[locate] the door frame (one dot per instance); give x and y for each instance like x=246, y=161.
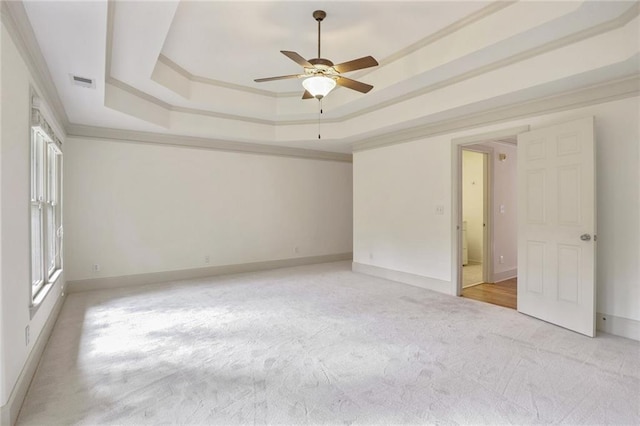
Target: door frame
x=456, y=196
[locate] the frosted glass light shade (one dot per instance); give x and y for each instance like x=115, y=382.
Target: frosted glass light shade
x=319, y=86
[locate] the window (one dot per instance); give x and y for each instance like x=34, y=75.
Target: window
x=46, y=212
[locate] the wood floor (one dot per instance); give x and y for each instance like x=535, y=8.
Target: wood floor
x=503, y=293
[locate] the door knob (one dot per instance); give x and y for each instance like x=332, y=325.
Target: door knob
x=585, y=237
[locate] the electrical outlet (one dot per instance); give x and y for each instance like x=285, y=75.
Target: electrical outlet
x=296, y=249
x=27, y=337
x=501, y=259
x=440, y=209
x=207, y=259
x=371, y=256
x=95, y=267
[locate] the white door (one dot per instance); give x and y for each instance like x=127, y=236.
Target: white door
x=556, y=225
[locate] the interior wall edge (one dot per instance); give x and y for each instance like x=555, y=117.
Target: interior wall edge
x=187, y=274
x=9, y=412
x=623, y=327
x=103, y=133
x=421, y=281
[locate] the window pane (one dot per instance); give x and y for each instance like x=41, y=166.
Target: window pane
x=52, y=171
x=34, y=167
x=38, y=173
x=51, y=239
x=36, y=248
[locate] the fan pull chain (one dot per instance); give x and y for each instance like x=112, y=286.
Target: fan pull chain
x=319, y=115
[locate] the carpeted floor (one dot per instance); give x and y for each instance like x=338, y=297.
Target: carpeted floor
x=321, y=345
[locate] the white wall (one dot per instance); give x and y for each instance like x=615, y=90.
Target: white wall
x=396, y=189
x=473, y=202
x=396, y=192
x=15, y=285
x=617, y=184
x=138, y=208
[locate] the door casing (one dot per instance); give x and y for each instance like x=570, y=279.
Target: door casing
x=456, y=199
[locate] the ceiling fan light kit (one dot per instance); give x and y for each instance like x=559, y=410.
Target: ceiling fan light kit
x=321, y=75
x=319, y=86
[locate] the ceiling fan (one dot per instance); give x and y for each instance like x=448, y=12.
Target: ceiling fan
x=321, y=75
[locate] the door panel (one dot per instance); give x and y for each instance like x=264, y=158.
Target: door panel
x=556, y=205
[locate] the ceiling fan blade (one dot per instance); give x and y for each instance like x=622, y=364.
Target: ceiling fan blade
x=282, y=77
x=307, y=95
x=297, y=58
x=353, y=84
x=356, y=64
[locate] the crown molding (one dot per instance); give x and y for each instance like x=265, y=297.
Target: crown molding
x=449, y=29
x=601, y=28
x=586, y=96
x=604, y=27
x=218, y=83
x=15, y=19
x=103, y=133
x=591, y=95
x=478, y=15
x=172, y=108
x=136, y=92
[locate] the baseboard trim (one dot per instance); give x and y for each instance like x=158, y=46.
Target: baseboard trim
x=623, y=327
x=505, y=275
x=404, y=277
x=9, y=412
x=187, y=274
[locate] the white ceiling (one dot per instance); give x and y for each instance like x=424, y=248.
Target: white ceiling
x=187, y=67
x=243, y=40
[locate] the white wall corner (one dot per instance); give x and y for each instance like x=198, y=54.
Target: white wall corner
x=619, y=326
x=427, y=283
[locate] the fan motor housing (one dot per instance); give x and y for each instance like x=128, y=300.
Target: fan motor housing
x=321, y=61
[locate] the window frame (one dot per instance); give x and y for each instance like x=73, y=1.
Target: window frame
x=45, y=210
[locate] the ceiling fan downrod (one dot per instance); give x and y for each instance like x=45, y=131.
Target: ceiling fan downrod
x=319, y=15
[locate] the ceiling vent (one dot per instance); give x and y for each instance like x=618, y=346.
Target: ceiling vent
x=83, y=81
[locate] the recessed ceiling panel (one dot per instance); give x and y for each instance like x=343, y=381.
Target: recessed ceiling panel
x=236, y=42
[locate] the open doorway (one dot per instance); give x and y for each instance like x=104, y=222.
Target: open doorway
x=552, y=221
x=487, y=191
x=475, y=192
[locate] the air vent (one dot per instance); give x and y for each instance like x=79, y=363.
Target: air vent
x=83, y=81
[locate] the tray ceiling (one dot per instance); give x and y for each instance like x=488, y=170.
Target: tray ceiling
x=187, y=67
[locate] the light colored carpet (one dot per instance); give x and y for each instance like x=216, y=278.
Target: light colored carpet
x=321, y=345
